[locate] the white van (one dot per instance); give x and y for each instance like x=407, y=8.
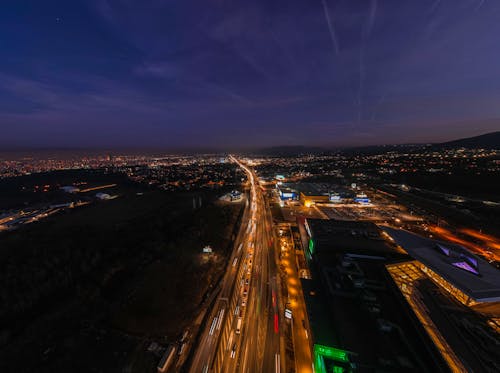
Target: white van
x=238, y=325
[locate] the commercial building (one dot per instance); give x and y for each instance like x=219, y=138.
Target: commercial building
x=311, y=193
x=235, y=195
x=456, y=297
x=362, y=198
x=287, y=193
x=357, y=317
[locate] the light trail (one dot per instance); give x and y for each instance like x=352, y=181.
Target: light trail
x=444, y=233
x=491, y=241
x=221, y=317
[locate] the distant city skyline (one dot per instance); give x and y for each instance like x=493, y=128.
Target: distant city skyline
x=228, y=75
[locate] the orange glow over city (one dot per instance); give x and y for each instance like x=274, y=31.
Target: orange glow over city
x=489, y=240
x=490, y=255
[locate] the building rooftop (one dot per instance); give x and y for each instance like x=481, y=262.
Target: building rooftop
x=469, y=273
x=357, y=237
x=347, y=318
x=311, y=189
x=320, y=321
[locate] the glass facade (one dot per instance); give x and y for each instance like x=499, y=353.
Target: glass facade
x=404, y=275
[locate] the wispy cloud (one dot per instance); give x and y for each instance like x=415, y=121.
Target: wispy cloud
x=372, y=16
x=159, y=69
x=331, y=27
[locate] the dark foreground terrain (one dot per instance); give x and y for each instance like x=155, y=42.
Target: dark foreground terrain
x=88, y=290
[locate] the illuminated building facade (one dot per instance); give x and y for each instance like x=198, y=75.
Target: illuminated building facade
x=450, y=289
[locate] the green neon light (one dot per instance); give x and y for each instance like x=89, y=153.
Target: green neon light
x=320, y=352
x=311, y=245
x=319, y=364
x=331, y=353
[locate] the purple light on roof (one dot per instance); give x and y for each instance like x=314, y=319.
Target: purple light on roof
x=471, y=260
x=466, y=267
x=444, y=250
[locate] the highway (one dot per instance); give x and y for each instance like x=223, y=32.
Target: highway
x=209, y=337
x=242, y=329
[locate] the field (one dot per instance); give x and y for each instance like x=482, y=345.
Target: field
x=98, y=283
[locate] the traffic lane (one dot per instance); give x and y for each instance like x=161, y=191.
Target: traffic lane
x=272, y=346
x=206, y=350
x=253, y=327
x=202, y=354
x=252, y=339
x=229, y=363
x=262, y=325
x=215, y=325
x=273, y=328
x=248, y=332
x=248, y=319
x=268, y=343
x=247, y=327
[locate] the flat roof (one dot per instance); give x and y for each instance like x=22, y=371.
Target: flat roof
x=327, y=226
x=317, y=312
x=311, y=189
x=286, y=190
x=343, y=320
x=362, y=237
x=457, y=267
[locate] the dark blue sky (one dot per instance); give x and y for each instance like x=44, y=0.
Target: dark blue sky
x=176, y=73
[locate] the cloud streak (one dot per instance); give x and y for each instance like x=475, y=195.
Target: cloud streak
x=233, y=65
x=331, y=27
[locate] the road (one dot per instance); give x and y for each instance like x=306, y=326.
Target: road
x=296, y=304
x=208, y=343
x=242, y=331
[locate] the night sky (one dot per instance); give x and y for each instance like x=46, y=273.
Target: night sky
x=229, y=73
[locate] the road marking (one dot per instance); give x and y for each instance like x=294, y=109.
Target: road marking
x=229, y=343
x=214, y=322
x=221, y=315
